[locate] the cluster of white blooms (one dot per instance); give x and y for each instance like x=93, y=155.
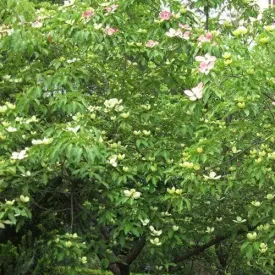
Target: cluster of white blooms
x=45, y=141
x=113, y=103
x=19, y=155
x=132, y=193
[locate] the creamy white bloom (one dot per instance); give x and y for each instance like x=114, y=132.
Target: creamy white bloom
x=155, y=232
x=113, y=160
x=212, y=176
x=111, y=103
x=11, y=129
x=45, y=141
x=239, y=220
x=73, y=129
x=144, y=222
x=37, y=24
x=155, y=241
x=68, y=3
x=19, y=155
x=132, y=193
x=24, y=198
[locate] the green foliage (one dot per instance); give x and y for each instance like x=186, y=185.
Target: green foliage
x=114, y=129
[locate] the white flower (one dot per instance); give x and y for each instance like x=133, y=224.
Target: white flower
x=19, y=155
x=27, y=174
x=45, y=141
x=83, y=260
x=155, y=232
x=3, y=109
x=136, y=195
x=11, y=129
x=68, y=244
x=155, y=241
x=125, y=115
x=256, y=203
x=146, y=133
x=172, y=190
x=252, y=236
x=263, y=247
x=209, y=229
x=212, y=176
x=239, y=220
x=32, y=119
x=10, y=202
x=24, y=199
x=144, y=222
x=175, y=228
x=74, y=130
x=111, y=103
x=37, y=24
x=68, y=3
x=132, y=193
x=113, y=160
x=10, y=105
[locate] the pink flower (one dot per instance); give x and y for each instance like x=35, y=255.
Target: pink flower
x=165, y=15
x=205, y=38
x=207, y=63
x=151, y=43
x=186, y=35
x=110, y=31
x=111, y=9
x=186, y=27
x=195, y=93
x=88, y=13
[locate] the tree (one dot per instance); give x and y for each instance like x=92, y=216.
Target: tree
x=131, y=125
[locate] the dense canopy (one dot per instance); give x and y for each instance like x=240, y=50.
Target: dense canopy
x=136, y=136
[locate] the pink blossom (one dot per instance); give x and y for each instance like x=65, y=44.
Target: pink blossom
x=88, y=13
x=111, y=9
x=165, y=15
x=207, y=63
x=186, y=35
x=185, y=26
x=195, y=93
x=151, y=43
x=205, y=38
x=110, y=31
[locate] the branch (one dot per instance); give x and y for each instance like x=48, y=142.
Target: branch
x=214, y=241
x=133, y=254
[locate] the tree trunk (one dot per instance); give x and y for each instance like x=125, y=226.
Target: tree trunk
x=120, y=269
